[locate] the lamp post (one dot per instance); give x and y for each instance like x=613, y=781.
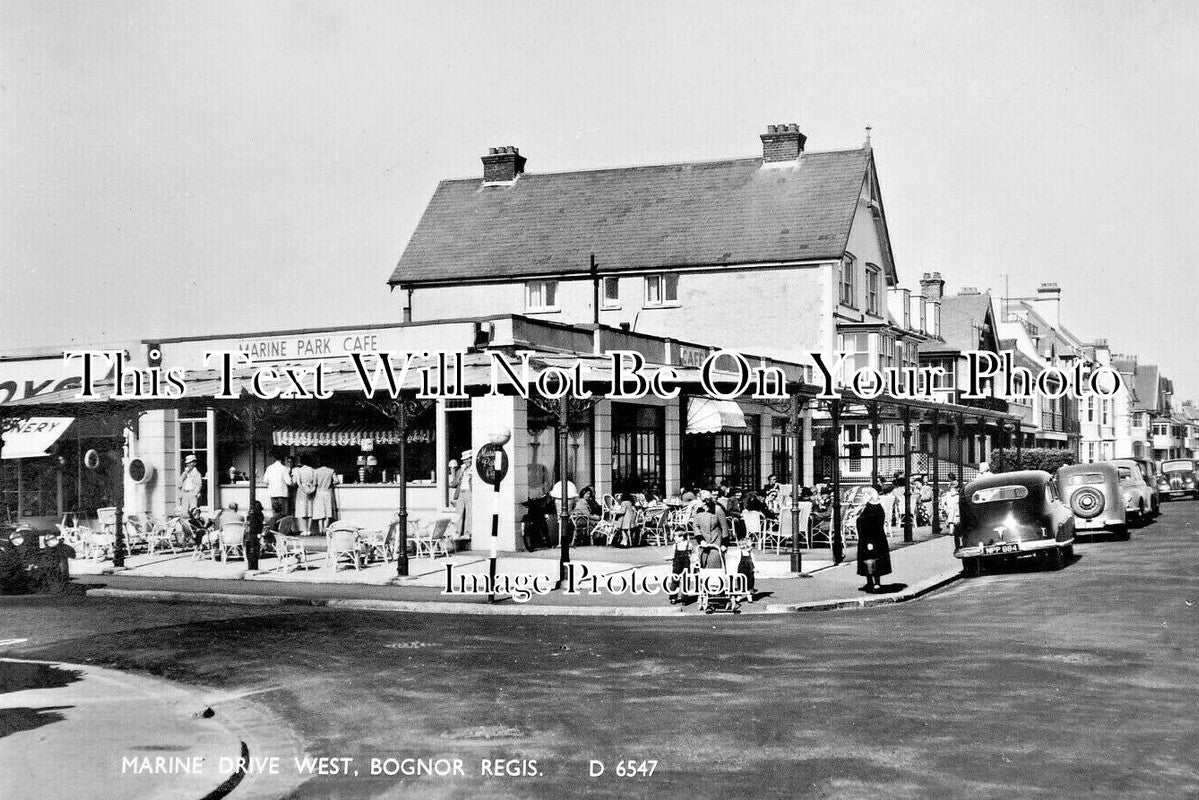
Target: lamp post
x=796, y=439
x=494, y=474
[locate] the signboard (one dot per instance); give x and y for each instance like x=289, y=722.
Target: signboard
x=491, y=462
x=692, y=356
x=24, y=378
x=307, y=346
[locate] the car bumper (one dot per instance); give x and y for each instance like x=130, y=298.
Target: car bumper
x=1022, y=548
x=1170, y=494
x=1098, y=523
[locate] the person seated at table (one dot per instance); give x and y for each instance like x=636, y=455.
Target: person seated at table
x=755, y=503
x=14, y=562
x=586, y=508
x=734, y=504
x=196, y=527
x=651, y=498
x=230, y=516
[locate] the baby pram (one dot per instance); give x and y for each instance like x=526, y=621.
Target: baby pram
x=715, y=582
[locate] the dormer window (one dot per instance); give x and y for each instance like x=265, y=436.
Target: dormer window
x=661, y=290
x=541, y=296
x=873, y=280
x=848, y=282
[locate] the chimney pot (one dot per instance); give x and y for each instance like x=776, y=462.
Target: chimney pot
x=932, y=286
x=502, y=164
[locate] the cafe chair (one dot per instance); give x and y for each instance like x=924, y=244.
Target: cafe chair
x=655, y=528
x=106, y=519
x=230, y=540
x=432, y=540
x=344, y=546
x=772, y=533
x=164, y=535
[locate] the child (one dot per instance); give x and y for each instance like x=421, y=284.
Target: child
x=745, y=564
x=680, y=565
x=949, y=506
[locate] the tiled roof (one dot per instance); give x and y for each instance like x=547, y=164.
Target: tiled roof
x=960, y=314
x=710, y=213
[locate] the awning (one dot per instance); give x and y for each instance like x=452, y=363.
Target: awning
x=343, y=437
x=708, y=415
x=33, y=437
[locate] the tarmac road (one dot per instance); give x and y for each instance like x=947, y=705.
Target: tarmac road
x=1082, y=682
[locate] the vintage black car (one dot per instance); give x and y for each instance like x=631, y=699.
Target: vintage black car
x=1178, y=478
x=1013, y=514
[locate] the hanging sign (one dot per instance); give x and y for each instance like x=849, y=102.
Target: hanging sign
x=491, y=462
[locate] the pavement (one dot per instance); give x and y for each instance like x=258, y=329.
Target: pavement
x=916, y=569
x=104, y=733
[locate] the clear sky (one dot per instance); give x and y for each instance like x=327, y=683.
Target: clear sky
x=173, y=168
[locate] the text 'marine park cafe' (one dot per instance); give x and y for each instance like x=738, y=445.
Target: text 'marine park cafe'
x=776, y=255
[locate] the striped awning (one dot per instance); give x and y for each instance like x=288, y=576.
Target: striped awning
x=337, y=437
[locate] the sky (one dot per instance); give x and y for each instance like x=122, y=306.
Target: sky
x=192, y=168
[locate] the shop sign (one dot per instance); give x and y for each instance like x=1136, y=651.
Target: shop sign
x=692, y=356
x=491, y=462
x=308, y=346
x=34, y=377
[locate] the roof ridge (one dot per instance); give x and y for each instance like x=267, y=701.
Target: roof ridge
x=627, y=167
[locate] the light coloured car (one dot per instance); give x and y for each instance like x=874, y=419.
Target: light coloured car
x=1140, y=498
x=1177, y=478
x=1094, y=495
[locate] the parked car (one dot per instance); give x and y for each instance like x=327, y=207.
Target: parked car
x=1177, y=478
x=1140, y=498
x=1093, y=493
x=1149, y=473
x=1013, y=514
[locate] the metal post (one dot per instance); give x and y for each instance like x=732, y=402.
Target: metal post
x=794, y=433
x=1019, y=441
x=838, y=544
x=118, y=544
x=958, y=426
x=935, y=511
x=907, y=471
x=252, y=415
x=874, y=444
x=401, y=418
x=563, y=491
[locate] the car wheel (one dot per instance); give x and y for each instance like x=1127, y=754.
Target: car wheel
x=972, y=567
x=1055, y=558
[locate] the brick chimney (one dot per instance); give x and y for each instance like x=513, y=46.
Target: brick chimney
x=782, y=144
x=969, y=290
x=502, y=164
x=932, y=286
x=1049, y=303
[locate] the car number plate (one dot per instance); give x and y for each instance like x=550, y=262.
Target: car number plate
x=1006, y=547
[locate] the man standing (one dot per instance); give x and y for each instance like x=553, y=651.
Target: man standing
x=278, y=479
x=191, y=483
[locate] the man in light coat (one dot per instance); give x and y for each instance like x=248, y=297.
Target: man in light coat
x=278, y=479
x=190, y=484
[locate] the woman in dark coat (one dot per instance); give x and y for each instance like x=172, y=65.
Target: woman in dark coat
x=874, y=556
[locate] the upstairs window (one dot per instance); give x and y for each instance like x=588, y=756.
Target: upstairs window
x=662, y=290
x=873, y=279
x=541, y=296
x=610, y=293
x=848, y=283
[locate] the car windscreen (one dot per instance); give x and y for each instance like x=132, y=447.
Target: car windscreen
x=1085, y=479
x=1178, y=466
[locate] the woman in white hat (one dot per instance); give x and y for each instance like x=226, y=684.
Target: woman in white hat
x=191, y=483
x=874, y=555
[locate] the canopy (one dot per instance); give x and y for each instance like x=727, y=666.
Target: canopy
x=708, y=415
x=335, y=437
x=34, y=436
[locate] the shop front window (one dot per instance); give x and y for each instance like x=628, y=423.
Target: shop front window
x=638, y=448
x=543, y=450
x=730, y=456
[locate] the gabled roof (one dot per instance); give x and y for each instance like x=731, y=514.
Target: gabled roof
x=961, y=317
x=636, y=218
